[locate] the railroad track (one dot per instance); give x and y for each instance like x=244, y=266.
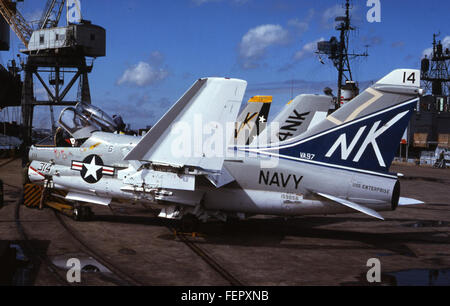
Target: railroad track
x=208, y=259
x=36, y=257
x=125, y=277
x=203, y=254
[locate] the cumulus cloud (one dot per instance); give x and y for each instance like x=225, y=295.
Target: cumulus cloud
x=445, y=44
x=307, y=50
x=330, y=14
x=256, y=41
x=145, y=73
x=301, y=26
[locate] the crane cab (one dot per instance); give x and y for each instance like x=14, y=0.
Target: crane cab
x=84, y=38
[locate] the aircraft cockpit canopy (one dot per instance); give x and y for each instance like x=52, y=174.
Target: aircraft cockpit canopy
x=83, y=119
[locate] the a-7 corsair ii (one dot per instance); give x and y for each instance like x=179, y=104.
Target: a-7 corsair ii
x=339, y=165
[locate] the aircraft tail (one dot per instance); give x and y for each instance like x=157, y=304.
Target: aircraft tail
x=252, y=120
x=365, y=133
x=300, y=114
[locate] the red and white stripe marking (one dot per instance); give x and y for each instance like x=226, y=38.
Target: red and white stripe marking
x=108, y=171
x=77, y=166
x=35, y=175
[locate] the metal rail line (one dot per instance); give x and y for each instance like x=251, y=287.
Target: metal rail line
x=208, y=259
x=121, y=274
x=32, y=253
x=35, y=256
x=203, y=254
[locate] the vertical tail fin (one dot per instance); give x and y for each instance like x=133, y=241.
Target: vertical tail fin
x=296, y=117
x=252, y=120
x=365, y=133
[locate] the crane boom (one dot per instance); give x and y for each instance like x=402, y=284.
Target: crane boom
x=52, y=14
x=16, y=21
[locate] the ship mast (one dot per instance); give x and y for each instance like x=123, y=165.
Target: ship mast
x=337, y=52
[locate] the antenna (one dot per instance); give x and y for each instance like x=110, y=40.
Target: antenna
x=435, y=69
x=337, y=52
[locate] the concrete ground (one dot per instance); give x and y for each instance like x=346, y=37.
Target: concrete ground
x=413, y=244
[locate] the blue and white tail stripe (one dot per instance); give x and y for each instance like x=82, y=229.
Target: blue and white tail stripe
x=367, y=144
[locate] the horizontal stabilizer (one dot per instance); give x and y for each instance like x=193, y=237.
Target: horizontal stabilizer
x=409, y=201
x=360, y=208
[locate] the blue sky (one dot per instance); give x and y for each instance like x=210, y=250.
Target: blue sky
x=156, y=49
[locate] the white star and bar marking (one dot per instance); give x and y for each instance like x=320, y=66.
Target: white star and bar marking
x=92, y=169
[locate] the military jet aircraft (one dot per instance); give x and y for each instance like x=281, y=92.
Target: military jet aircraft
x=186, y=166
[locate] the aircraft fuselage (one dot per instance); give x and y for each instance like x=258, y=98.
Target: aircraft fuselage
x=96, y=171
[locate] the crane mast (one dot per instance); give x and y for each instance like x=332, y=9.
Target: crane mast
x=52, y=14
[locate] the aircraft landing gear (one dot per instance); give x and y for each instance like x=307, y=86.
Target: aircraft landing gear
x=189, y=223
x=82, y=213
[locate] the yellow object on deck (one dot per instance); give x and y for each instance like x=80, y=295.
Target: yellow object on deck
x=53, y=198
x=32, y=195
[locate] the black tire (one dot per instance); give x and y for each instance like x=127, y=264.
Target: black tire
x=189, y=223
x=82, y=213
x=77, y=213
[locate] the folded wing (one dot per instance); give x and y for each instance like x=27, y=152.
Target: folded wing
x=192, y=132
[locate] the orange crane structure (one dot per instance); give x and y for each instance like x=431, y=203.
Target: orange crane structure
x=16, y=21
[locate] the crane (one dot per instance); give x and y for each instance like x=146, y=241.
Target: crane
x=50, y=18
x=16, y=21
x=52, y=14
x=54, y=51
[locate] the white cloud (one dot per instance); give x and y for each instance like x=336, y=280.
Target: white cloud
x=307, y=50
x=330, y=14
x=255, y=43
x=301, y=26
x=445, y=45
x=142, y=74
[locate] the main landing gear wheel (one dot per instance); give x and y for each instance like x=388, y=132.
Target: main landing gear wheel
x=82, y=213
x=189, y=223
